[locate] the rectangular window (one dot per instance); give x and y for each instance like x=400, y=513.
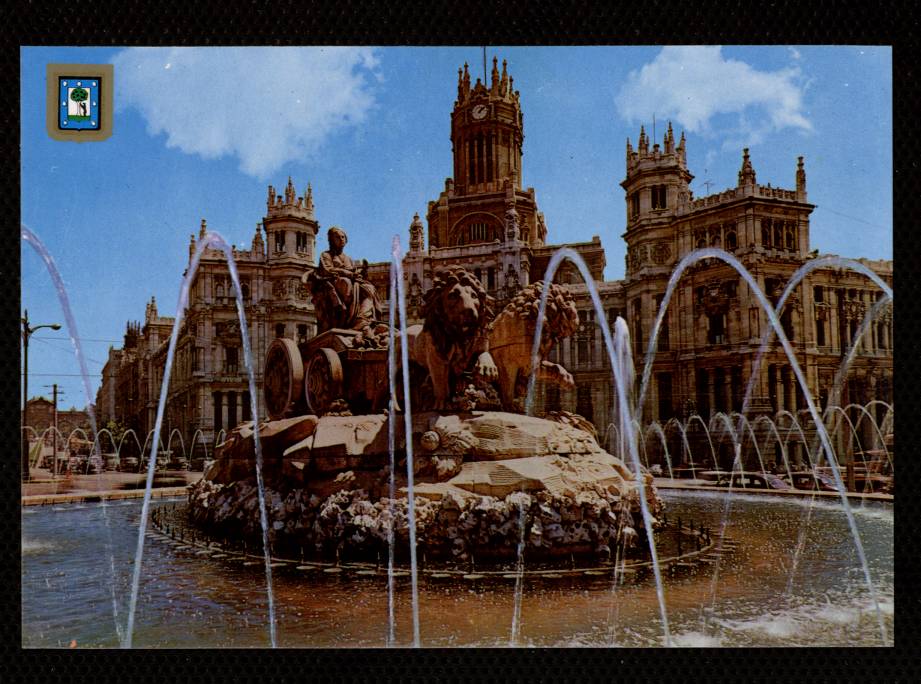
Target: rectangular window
x=471, y=158
x=664, y=381
x=634, y=205
x=489, y=162
x=786, y=320
x=279, y=330
x=246, y=407
x=719, y=390
x=716, y=333
x=302, y=332
x=280, y=241
x=230, y=360
x=659, y=195
x=735, y=379
x=491, y=278
x=818, y=293
x=584, y=401
x=231, y=410
x=480, y=170
x=583, y=353
x=703, y=393
x=218, y=412
x=820, y=333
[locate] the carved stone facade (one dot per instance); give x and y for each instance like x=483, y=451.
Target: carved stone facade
x=208, y=389
x=485, y=221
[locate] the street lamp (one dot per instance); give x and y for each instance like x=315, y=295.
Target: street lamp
x=27, y=331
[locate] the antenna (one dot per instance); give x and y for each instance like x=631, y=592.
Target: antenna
x=484, y=65
x=653, y=128
x=708, y=184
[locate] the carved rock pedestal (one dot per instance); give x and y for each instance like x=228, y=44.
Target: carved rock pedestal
x=328, y=483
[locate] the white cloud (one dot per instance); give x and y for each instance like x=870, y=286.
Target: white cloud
x=692, y=85
x=266, y=106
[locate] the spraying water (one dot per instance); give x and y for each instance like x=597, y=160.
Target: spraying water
x=524, y=502
x=774, y=320
x=391, y=445
x=621, y=366
x=214, y=240
x=397, y=266
x=74, y=335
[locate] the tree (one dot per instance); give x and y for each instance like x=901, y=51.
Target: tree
x=117, y=431
x=79, y=95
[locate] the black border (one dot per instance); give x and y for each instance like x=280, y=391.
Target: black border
x=288, y=22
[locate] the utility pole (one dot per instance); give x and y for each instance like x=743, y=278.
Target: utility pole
x=56, y=393
x=54, y=436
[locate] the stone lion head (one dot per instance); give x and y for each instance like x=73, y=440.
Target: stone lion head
x=561, y=318
x=456, y=308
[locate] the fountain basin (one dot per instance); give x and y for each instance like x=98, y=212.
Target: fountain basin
x=328, y=485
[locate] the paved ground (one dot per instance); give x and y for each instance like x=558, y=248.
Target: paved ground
x=666, y=483
x=110, y=485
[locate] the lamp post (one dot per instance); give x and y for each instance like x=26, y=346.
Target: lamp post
x=27, y=331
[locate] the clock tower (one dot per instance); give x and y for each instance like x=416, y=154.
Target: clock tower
x=484, y=202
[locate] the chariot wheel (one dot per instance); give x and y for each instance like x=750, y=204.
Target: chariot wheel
x=323, y=380
x=283, y=378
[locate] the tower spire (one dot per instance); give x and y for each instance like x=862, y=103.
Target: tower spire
x=203, y=229
x=747, y=172
x=800, y=180
x=308, y=200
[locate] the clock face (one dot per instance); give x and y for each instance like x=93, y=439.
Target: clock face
x=479, y=111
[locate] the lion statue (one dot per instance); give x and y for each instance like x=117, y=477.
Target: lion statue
x=453, y=342
x=511, y=340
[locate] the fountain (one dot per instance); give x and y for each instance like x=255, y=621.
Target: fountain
x=417, y=444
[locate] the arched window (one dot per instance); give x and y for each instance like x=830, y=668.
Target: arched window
x=701, y=242
x=731, y=243
x=766, y=233
x=778, y=236
x=715, y=240
x=791, y=242
x=480, y=170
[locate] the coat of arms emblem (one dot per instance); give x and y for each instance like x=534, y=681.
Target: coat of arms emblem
x=79, y=103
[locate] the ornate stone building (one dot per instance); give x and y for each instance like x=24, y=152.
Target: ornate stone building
x=208, y=389
x=487, y=222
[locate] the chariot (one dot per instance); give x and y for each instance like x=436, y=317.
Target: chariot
x=328, y=373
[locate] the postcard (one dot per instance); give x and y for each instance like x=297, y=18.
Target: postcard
x=332, y=347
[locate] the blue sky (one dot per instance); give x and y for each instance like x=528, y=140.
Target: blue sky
x=200, y=133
